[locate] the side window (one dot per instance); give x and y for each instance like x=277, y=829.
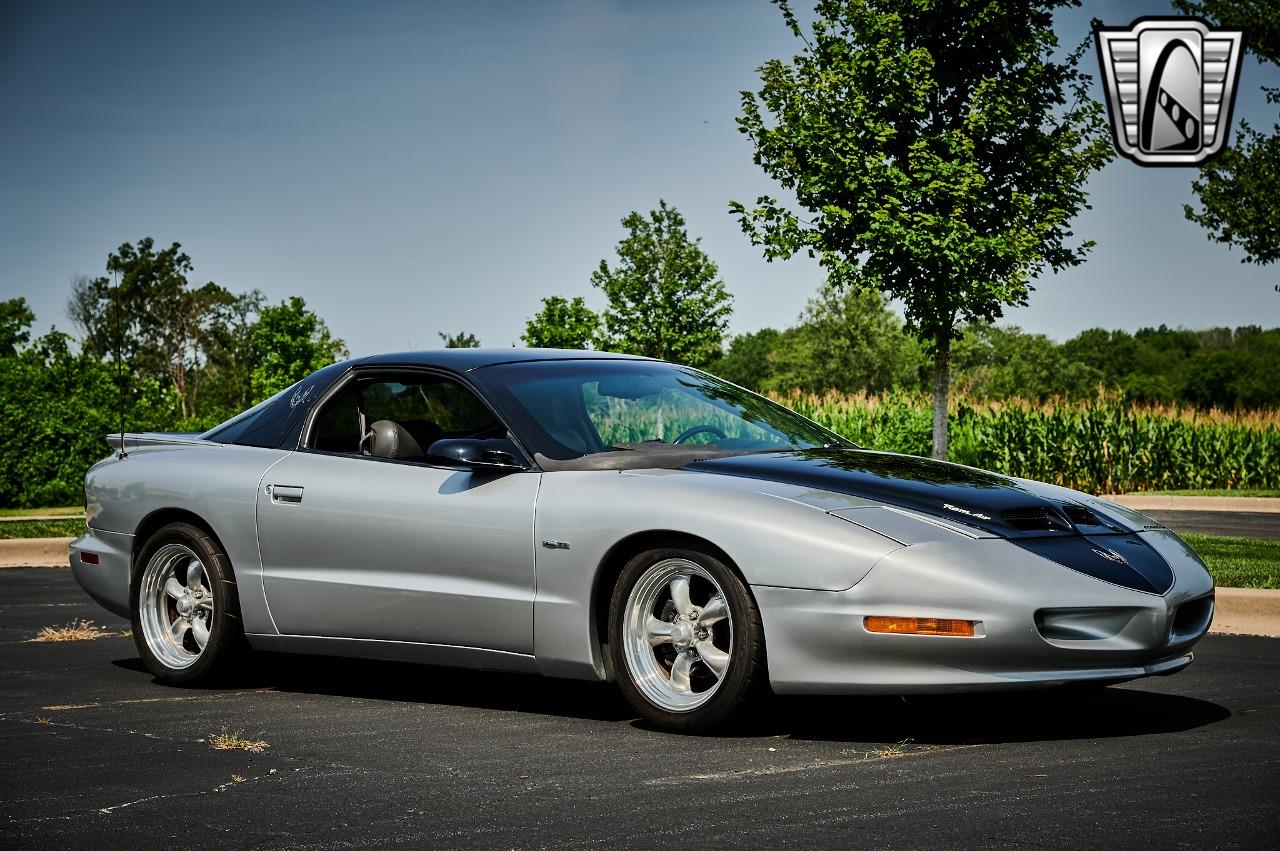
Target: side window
x=423, y=408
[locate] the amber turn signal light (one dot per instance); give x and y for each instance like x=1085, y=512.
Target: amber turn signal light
x=919, y=626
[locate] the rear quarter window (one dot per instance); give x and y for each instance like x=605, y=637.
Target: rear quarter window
x=279, y=419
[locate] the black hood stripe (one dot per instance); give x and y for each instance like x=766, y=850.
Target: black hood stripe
x=991, y=502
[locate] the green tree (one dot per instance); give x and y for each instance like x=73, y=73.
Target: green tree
x=461, y=340
x=562, y=324
x=62, y=404
x=665, y=297
x=226, y=386
x=747, y=361
x=847, y=340
x=938, y=151
x=15, y=325
x=153, y=319
x=1003, y=361
x=290, y=343
x=1239, y=190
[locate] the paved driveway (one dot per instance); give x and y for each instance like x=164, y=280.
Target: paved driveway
x=94, y=755
x=1241, y=524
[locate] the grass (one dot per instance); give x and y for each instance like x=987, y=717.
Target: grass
x=223, y=740
x=1238, y=562
x=42, y=529
x=73, y=510
x=1265, y=492
x=78, y=630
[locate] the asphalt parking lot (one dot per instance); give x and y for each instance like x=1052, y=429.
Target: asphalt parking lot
x=94, y=754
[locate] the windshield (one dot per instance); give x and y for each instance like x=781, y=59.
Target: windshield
x=573, y=408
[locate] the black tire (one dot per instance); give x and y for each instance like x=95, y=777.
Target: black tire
x=746, y=678
x=226, y=642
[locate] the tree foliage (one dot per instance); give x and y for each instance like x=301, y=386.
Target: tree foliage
x=461, y=340
x=291, y=342
x=1002, y=362
x=60, y=405
x=665, y=297
x=747, y=360
x=938, y=152
x=226, y=385
x=1239, y=190
x=847, y=341
x=148, y=314
x=562, y=324
x=15, y=325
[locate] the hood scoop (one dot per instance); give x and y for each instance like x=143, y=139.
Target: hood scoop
x=1040, y=518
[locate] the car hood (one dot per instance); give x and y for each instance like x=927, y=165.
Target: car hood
x=1063, y=530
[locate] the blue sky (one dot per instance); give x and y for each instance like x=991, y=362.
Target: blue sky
x=411, y=168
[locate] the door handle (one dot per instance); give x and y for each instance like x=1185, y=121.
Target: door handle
x=287, y=494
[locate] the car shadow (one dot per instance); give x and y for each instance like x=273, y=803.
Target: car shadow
x=1000, y=717
x=416, y=683
x=1054, y=714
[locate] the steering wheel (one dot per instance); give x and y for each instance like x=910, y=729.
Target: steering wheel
x=710, y=429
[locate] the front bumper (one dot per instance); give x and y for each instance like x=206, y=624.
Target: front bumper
x=107, y=582
x=1040, y=624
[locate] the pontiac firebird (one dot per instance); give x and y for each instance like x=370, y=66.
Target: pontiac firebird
x=579, y=514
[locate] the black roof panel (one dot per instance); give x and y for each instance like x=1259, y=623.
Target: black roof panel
x=461, y=360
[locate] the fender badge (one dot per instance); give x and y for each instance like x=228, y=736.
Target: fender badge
x=556, y=545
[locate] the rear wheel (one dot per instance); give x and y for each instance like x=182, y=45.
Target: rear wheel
x=686, y=641
x=186, y=614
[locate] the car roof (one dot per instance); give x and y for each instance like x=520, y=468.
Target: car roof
x=461, y=360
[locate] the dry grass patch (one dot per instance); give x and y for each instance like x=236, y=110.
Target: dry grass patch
x=78, y=630
x=888, y=751
x=224, y=740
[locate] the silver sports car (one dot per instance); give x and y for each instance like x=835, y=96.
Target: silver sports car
x=579, y=514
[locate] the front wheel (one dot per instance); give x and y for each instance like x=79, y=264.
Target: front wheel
x=686, y=641
x=186, y=614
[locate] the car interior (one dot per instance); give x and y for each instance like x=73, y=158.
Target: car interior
x=399, y=417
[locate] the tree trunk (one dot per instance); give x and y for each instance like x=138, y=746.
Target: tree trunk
x=941, y=385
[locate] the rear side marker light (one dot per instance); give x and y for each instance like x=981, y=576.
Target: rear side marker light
x=919, y=626
x=89, y=558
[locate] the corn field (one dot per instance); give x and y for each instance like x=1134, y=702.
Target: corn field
x=1101, y=446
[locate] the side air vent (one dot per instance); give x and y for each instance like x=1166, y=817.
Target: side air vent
x=1191, y=620
x=1036, y=519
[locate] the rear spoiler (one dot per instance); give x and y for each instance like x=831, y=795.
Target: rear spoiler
x=145, y=439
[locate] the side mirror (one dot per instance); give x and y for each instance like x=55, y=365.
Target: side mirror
x=497, y=454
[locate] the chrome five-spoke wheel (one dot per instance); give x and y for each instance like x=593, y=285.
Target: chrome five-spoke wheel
x=677, y=635
x=176, y=605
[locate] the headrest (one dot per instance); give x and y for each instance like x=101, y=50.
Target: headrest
x=392, y=440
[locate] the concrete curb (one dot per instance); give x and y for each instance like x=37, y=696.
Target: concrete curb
x=1247, y=611
x=1237, y=611
x=27, y=518
x=34, y=552
x=1162, y=502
